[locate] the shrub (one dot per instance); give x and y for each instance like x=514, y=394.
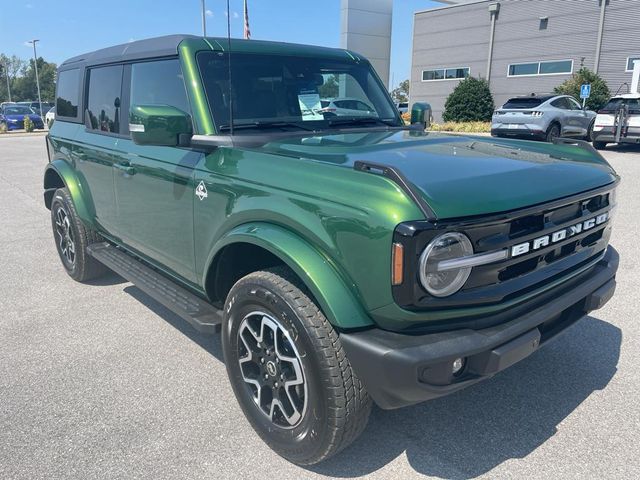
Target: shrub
x=467, y=127
x=470, y=101
x=599, y=90
x=28, y=124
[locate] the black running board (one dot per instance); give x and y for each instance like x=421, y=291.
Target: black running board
x=198, y=312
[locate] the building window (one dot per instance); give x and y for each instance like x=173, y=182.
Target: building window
x=451, y=73
x=630, y=61
x=553, y=67
x=544, y=23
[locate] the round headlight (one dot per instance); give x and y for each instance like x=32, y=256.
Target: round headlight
x=448, y=246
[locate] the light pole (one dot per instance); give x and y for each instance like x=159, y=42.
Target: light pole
x=6, y=71
x=204, y=19
x=35, y=64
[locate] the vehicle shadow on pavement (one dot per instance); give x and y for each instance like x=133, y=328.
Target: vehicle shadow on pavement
x=110, y=278
x=507, y=417
x=210, y=343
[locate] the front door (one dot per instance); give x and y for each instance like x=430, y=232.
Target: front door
x=154, y=185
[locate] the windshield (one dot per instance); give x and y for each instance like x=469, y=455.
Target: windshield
x=305, y=93
x=615, y=103
x=17, y=110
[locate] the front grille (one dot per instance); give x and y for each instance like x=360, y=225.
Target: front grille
x=493, y=283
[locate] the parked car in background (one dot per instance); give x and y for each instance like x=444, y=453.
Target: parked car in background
x=347, y=107
x=50, y=117
x=35, y=106
x=618, y=121
x=12, y=116
x=542, y=117
x=403, y=107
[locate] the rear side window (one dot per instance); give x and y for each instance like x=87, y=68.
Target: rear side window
x=103, y=102
x=68, y=93
x=159, y=83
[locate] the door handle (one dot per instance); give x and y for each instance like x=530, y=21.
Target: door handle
x=125, y=167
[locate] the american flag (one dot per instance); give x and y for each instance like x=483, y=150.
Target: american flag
x=247, y=30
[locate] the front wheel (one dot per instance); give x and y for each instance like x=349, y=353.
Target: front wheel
x=599, y=145
x=288, y=369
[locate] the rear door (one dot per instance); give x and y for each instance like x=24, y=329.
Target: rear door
x=95, y=150
x=154, y=186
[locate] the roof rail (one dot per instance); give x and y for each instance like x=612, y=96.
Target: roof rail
x=397, y=177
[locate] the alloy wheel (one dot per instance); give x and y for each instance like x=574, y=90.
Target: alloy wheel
x=66, y=242
x=272, y=369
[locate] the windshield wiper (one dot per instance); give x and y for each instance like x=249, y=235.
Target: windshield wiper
x=265, y=125
x=360, y=121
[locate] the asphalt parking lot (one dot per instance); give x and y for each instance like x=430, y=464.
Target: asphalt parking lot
x=100, y=381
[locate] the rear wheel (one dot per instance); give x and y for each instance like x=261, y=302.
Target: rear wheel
x=599, y=145
x=553, y=132
x=72, y=238
x=288, y=369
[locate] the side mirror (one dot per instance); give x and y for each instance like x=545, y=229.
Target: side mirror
x=421, y=114
x=159, y=125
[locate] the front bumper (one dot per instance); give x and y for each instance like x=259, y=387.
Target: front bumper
x=399, y=370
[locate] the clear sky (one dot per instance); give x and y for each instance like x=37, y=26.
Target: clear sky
x=70, y=27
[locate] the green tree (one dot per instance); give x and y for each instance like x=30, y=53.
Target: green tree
x=401, y=92
x=11, y=67
x=599, y=90
x=25, y=85
x=330, y=88
x=470, y=101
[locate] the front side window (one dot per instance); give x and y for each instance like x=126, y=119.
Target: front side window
x=103, y=103
x=68, y=93
x=159, y=83
x=303, y=92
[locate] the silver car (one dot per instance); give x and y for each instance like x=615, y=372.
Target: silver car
x=542, y=117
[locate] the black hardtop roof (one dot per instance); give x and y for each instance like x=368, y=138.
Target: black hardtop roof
x=168, y=45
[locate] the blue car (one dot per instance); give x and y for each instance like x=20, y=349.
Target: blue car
x=12, y=116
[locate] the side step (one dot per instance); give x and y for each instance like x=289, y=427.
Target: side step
x=198, y=312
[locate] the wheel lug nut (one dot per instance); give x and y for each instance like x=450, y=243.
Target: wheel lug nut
x=276, y=385
x=262, y=360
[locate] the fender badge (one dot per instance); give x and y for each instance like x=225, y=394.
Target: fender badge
x=201, y=191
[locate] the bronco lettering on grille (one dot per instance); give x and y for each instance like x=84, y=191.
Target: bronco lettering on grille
x=558, y=236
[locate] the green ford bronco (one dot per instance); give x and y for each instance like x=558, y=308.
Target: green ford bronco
x=271, y=191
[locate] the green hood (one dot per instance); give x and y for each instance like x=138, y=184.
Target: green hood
x=462, y=176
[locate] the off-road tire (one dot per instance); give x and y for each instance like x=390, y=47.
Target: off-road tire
x=82, y=267
x=599, y=145
x=338, y=406
x=554, y=131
